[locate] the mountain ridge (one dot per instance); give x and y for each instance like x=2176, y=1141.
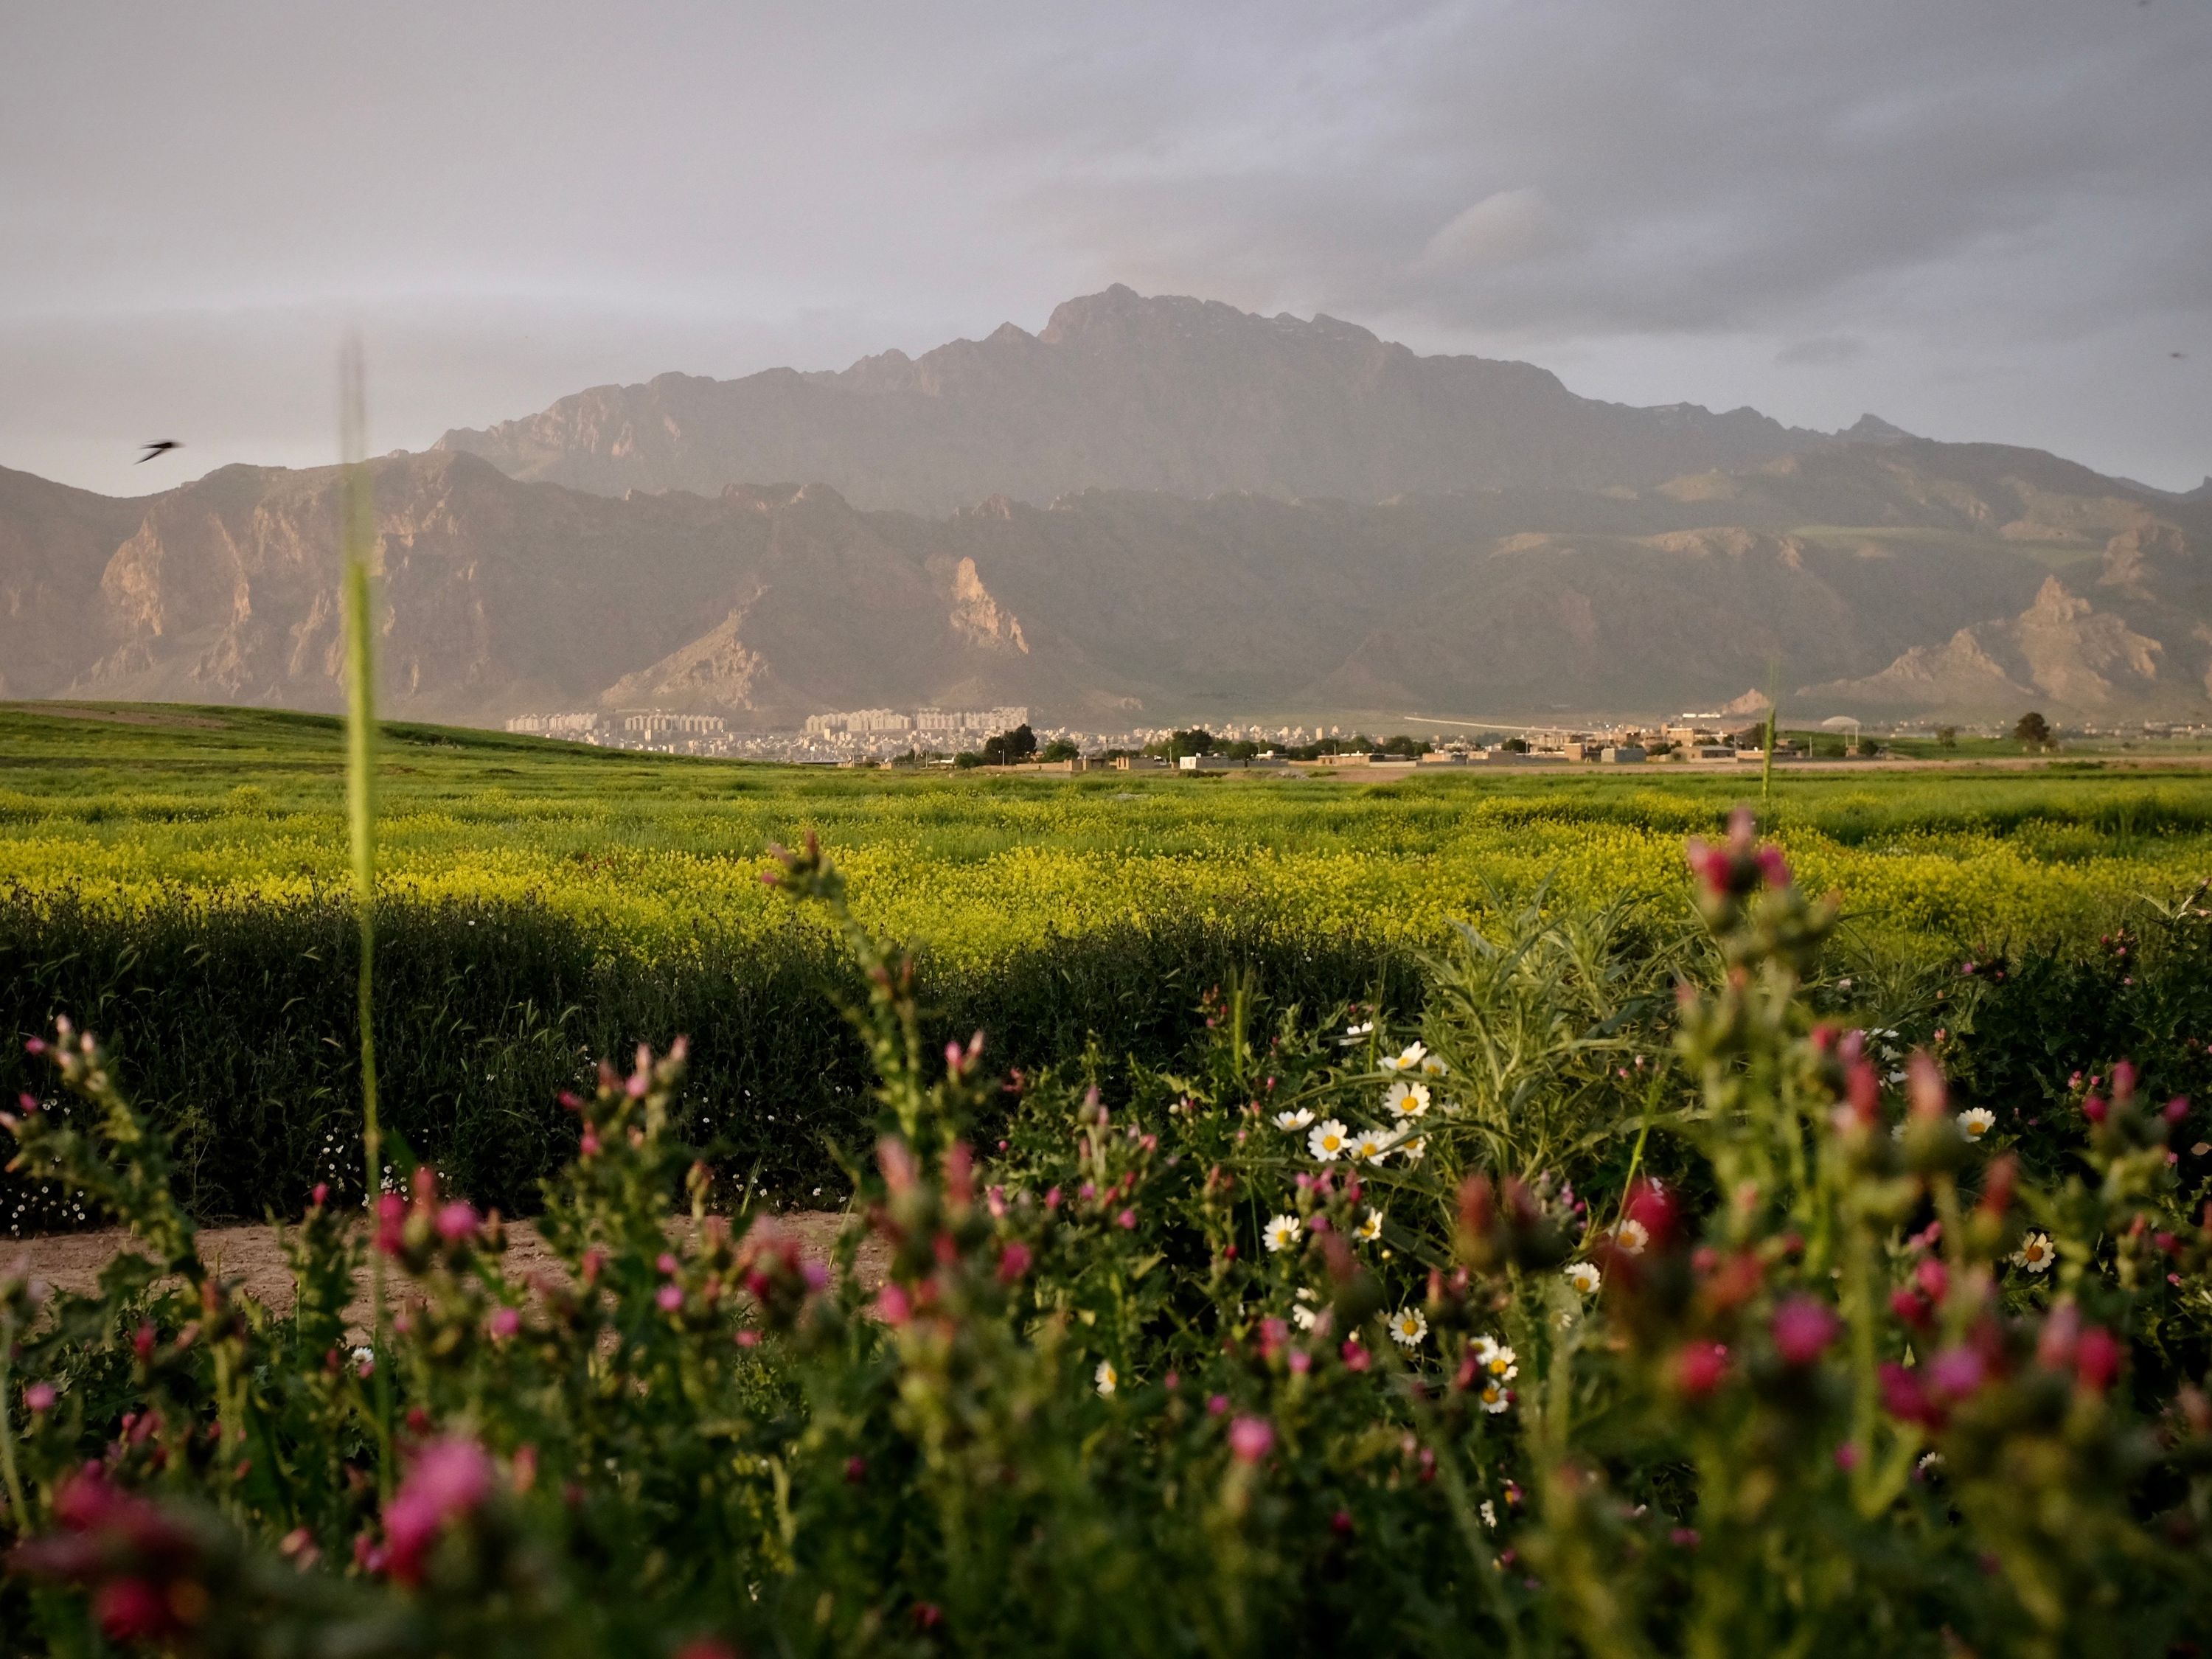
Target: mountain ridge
x=1854, y=567
x=1169, y=394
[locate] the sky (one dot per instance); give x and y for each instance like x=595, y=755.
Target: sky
x=1981, y=219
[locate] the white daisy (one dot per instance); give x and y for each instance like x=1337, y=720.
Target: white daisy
x=1632, y=1236
x=1370, y=1147
x=1411, y=1151
x=1293, y=1121
x=1977, y=1123
x=1433, y=1065
x=1280, y=1233
x=1353, y=1034
x=1328, y=1140
x=1489, y=1513
x=1304, y=1317
x=1370, y=1227
x=1106, y=1377
x=1584, y=1276
x=1408, y=1326
x=1406, y=1060
x=1407, y=1101
x=1496, y=1359
x=2035, y=1253
x=1494, y=1398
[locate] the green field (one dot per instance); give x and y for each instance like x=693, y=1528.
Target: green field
x=224, y=807
x=176, y=876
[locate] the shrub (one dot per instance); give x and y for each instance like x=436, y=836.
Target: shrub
x=1297, y=1346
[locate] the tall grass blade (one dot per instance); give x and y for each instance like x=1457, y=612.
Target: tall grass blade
x=356, y=540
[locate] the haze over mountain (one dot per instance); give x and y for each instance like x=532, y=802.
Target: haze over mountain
x=1874, y=571
x=1118, y=391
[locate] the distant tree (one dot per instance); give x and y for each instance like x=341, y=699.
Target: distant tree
x=1515, y=745
x=1115, y=755
x=1411, y=748
x=966, y=758
x=1751, y=737
x=1059, y=749
x=1242, y=748
x=1947, y=737
x=1010, y=748
x=2031, y=730
x=1196, y=741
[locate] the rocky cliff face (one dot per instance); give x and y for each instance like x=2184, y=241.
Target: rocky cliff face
x=1187, y=397
x=1889, y=576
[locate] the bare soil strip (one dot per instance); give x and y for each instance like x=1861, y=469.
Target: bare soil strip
x=250, y=1257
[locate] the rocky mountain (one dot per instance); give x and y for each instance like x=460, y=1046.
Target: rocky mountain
x=1878, y=575
x=1181, y=395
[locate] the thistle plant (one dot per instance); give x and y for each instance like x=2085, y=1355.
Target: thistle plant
x=1476, y=1336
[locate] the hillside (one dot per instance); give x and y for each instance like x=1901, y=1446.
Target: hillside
x=1187, y=397
x=1894, y=576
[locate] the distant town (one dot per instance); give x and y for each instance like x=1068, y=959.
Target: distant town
x=1004, y=735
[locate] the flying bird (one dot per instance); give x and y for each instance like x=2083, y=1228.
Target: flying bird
x=2176, y=354
x=161, y=448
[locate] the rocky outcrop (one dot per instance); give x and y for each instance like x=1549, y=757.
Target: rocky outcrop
x=2060, y=652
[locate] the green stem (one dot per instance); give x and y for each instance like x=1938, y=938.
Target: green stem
x=17, y=1506
x=357, y=532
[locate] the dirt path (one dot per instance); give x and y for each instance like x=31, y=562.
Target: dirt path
x=250, y=1256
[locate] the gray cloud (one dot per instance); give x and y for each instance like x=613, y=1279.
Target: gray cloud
x=1984, y=218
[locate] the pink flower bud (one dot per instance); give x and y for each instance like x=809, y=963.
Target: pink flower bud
x=1700, y=1368
x=458, y=1222
x=1925, y=1086
x=1251, y=1438
x=670, y=1298
x=39, y=1396
x=505, y=1323
x=1803, y=1329
x=1126, y=1220
x=1956, y=1372
x=2097, y=1360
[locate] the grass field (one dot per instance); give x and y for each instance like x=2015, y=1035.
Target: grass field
x=176, y=878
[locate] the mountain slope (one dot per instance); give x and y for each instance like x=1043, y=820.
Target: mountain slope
x=1183, y=396
x=1894, y=576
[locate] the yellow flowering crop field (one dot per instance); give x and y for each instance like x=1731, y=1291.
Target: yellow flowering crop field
x=207, y=807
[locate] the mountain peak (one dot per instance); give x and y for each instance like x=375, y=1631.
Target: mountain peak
x=1872, y=430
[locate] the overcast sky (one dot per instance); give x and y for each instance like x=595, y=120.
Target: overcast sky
x=1983, y=219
